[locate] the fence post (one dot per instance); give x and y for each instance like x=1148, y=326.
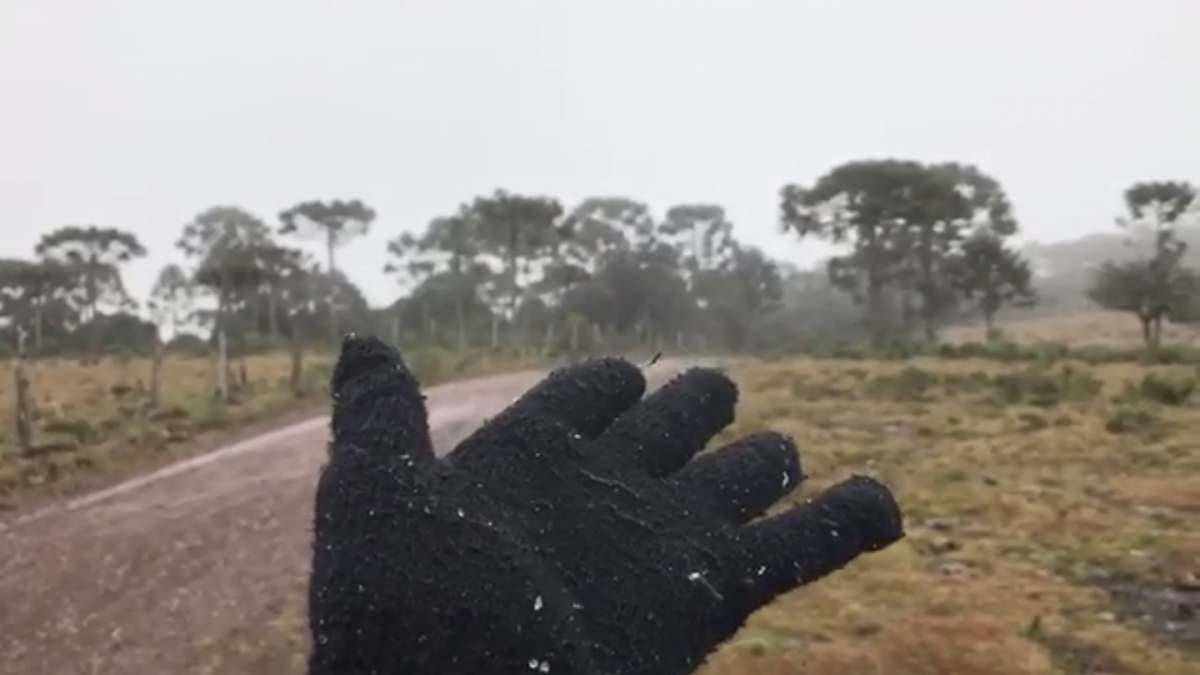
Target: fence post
x=222, y=367
x=23, y=412
x=156, y=371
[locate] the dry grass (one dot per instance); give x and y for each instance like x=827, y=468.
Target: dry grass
x=93, y=421
x=93, y=417
x=1096, y=327
x=1048, y=523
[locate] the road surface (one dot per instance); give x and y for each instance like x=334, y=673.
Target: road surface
x=197, y=568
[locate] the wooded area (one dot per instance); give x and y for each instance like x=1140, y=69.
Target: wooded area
x=925, y=246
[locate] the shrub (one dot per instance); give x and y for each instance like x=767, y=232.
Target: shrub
x=1167, y=389
x=1044, y=387
x=910, y=384
x=430, y=364
x=1129, y=419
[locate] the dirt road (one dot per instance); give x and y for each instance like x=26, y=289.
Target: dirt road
x=198, y=568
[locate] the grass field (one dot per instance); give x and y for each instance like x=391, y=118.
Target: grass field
x=93, y=420
x=1052, y=514
x=1047, y=508
x=1096, y=327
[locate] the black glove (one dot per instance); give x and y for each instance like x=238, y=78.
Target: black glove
x=570, y=535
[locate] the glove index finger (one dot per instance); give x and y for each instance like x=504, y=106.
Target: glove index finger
x=586, y=396
x=378, y=407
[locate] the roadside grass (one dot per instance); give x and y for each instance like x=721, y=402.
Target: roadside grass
x=1053, y=513
x=93, y=421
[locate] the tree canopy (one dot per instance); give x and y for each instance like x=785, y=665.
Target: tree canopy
x=920, y=245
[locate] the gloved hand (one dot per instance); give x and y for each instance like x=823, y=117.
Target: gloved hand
x=573, y=534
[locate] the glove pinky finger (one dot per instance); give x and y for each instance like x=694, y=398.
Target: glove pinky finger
x=813, y=540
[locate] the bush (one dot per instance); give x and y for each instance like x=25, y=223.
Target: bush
x=1167, y=389
x=1134, y=420
x=430, y=364
x=910, y=384
x=1043, y=387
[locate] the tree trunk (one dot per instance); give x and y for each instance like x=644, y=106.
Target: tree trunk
x=222, y=368
x=272, y=314
x=333, y=319
x=297, y=362
x=515, y=292
x=460, y=317
x=156, y=372
x=989, y=324
x=334, y=331
x=39, y=323
x=930, y=329
x=875, y=311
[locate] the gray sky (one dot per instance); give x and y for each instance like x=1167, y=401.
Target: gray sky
x=140, y=113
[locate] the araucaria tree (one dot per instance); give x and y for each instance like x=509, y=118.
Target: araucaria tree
x=992, y=275
x=516, y=229
x=1153, y=283
x=905, y=224
x=335, y=223
x=95, y=255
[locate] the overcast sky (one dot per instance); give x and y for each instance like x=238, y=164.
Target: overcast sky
x=140, y=113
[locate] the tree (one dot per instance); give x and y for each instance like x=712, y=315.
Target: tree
x=599, y=225
x=738, y=294
x=36, y=295
x=814, y=313
x=701, y=231
x=949, y=203
x=863, y=204
x=516, y=229
x=296, y=287
x=1158, y=204
x=446, y=259
x=220, y=239
x=904, y=223
x=95, y=254
x=277, y=266
x=638, y=292
x=171, y=297
x=335, y=223
x=985, y=204
x=170, y=301
x=407, y=263
x=992, y=275
x=1153, y=286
